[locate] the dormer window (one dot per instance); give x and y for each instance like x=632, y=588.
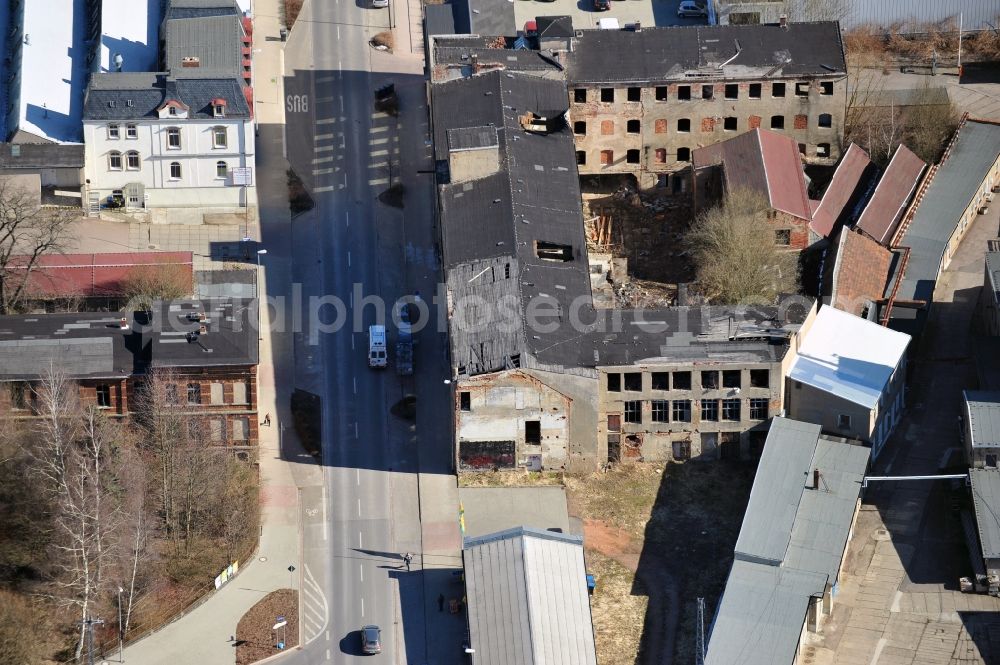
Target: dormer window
x=172, y=110
x=219, y=107
x=220, y=111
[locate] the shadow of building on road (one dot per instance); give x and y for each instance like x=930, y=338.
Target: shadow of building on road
x=687, y=551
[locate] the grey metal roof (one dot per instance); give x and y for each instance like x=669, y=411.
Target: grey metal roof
x=782, y=474
x=789, y=523
x=225, y=284
x=230, y=338
x=982, y=410
x=759, y=619
x=909, y=14
x=950, y=193
x=215, y=40
x=41, y=155
x=791, y=543
x=178, y=9
x=986, y=501
x=119, y=96
x=993, y=273
x=527, y=599
x=672, y=53
x=484, y=17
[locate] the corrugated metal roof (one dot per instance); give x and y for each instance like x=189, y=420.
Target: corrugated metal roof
x=527, y=599
x=848, y=356
x=948, y=196
x=216, y=41
x=986, y=501
x=761, y=613
x=841, y=190
x=791, y=543
x=777, y=490
x=976, y=14
x=893, y=192
x=982, y=408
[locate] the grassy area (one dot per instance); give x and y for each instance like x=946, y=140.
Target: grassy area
x=618, y=614
x=623, y=496
x=518, y=478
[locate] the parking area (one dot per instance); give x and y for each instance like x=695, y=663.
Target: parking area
x=646, y=12
x=491, y=509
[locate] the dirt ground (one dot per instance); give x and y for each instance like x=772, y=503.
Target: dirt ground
x=255, y=638
x=519, y=478
x=669, y=527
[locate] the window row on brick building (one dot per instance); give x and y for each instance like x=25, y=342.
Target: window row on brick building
x=680, y=411
x=682, y=380
x=705, y=91
x=683, y=154
x=707, y=125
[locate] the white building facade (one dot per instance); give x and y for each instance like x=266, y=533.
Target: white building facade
x=187, y=143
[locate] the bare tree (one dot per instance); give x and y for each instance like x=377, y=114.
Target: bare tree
x=147, y=284
x=733, y=247
x=27, y=232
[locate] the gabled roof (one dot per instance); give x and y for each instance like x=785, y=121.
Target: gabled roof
x=527, y=599
x=791, y=543
x=860, y=271
x=134, y=96
x=484, y=17
x=765, y=162
x=893, y=192
x=732, y=51
x=848, y=356
x=986, y=502
x=555, y=26
x=955, y=185
x=982, y=412
x=847, y=178
x=214, y=37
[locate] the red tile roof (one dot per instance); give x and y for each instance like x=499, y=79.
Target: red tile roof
x=763, y=161
x=860, y=271
x=64, y=275
x=840, y=190
x=888, y=203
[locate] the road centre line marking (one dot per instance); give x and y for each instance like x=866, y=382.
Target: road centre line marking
x=348, y=253
x=362, y=568
x=324, y=513
x=357, y=473
x=356, y=434
x=360, y=546
x=362, y=607
x=352, y=342
x=355, y=385
x=359, y=515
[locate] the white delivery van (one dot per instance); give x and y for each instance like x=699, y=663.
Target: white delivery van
x=377, y=356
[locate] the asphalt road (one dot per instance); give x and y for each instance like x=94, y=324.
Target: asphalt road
x=358, y=525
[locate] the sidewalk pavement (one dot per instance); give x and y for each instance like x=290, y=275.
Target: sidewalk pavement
x=202, y=635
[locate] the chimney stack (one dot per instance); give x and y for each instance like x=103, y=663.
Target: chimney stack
x=783, y=21
x=123, y=324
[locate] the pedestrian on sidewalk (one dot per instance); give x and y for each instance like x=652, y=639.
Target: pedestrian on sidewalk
x=440, y=602
x=267, y=420
x=407, y=558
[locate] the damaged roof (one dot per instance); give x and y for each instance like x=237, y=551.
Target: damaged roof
x=893, y=192
x=721, y=51
x=763, y=161
x=847, y=179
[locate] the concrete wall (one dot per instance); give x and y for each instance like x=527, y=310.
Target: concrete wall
x=658, y=109
x=199, y=184
x=499, y=408
x=696, y=436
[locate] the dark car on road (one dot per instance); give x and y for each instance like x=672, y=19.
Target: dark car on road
x=602, y=5
x=371, y=640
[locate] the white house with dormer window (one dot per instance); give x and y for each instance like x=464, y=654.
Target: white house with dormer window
x=156, y=142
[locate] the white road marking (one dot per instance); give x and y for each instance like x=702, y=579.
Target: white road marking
x=348, y=258
x=321, y=137
x=360, y=546
x=362, y=607
x=359, y=513
x=347, y=218
x=352, y=295
x=355, y=385
x=338, y=31
x=342, y=104
x=356, y=436
x=324, y=513
x=325, y=188
x=352, y=342
x=340, y=65
x=324, y=171
x=328, y=652
x=362, y=569
x=323, y=160
x=327, y=637
x=357, y=473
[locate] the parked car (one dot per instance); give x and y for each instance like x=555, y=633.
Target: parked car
x=690, y=8
x=371, y=640
x=380, y=4
x=602, y=5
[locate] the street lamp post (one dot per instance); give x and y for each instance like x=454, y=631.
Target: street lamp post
x=121, y=629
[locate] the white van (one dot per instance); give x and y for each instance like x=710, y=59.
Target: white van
x=377, y=356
